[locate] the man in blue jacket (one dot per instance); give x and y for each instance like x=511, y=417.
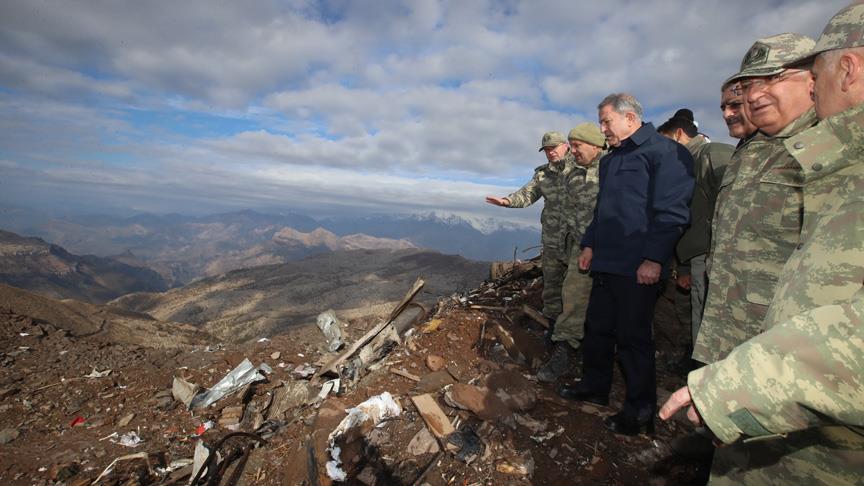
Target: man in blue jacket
x=646, y=182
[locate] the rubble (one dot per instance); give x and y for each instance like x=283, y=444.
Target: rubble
x=332, y=329
x=474, y=417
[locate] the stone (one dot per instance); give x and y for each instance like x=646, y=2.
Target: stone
x=434, y=381
x=435, y=363
x=62, y=472
x=478, y=400
x=513, y=389
x=275, y=355
x=423, y=443
x=124, y=421
x=8, y=435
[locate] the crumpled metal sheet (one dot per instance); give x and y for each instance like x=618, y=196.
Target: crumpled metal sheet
x=331, y=327
x=239, y=377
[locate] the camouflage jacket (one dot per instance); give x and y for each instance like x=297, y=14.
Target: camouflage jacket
x=804, y=376
x=709, y=164
x=569, y=191
x=757, y=223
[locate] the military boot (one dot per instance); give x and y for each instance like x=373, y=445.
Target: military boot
x=557, y=365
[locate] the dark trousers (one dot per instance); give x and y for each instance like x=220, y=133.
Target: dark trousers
x=620, y=314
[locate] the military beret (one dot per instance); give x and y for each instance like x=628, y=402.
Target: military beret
x=844, y=30
x=587, y=132
x=771, y=55
x=551, y=139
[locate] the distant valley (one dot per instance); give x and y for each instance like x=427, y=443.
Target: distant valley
x=183, y=248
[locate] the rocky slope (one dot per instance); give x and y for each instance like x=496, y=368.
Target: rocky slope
x=262, y=301
x=60, y=423
x=33, y=264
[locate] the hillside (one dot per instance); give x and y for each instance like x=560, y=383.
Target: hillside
x=33, y=264
x=265, y=300
x=99, y=322
x=182, y=247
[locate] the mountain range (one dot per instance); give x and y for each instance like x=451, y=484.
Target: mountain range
x=182, y=248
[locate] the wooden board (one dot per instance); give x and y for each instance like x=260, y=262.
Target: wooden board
x=432, y=414
x=536, y=316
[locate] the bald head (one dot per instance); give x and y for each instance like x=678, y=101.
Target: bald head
x=839, y=84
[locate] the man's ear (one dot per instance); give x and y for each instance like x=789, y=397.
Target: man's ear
x=850, y=67
x=631, y=117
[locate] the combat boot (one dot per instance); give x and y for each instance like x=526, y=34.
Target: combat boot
x=557, y=365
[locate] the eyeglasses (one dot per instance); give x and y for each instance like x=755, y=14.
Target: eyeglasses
x=767, y=81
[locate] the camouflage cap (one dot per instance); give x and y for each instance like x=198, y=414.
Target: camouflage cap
x=845, y=29
x=771, y=55
x=551, y=139
x=587, y=132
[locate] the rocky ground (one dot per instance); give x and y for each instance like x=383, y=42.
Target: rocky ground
x=71, y=406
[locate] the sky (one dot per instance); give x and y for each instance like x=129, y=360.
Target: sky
x=341, y=107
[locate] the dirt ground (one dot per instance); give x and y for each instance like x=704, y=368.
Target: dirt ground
x=62, y=417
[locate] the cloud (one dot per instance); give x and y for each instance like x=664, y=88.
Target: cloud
x=340, y=105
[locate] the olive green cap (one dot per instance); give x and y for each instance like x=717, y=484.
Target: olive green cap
x=587, y=132
x=551, y=139
x=771, y=55
x=844, y=30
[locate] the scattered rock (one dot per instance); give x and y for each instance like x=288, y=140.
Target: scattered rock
x=423, y=443
x=367, y=476
x=275, y=355
x=476, y=399
x=124, y=421
x=62, y=472
x=435, y=381
x=8, y=435
x=513, y=389
x=435, y=363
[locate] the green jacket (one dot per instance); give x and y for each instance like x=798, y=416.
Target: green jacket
x=570, y=193
x=709, y=164
x=799, y=386
x=756, y=227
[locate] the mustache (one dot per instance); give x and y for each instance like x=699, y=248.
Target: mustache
x=734, y=120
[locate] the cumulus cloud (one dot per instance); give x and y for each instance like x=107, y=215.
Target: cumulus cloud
x=337, y=104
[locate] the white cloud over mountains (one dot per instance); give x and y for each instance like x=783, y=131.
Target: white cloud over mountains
x=335, y=106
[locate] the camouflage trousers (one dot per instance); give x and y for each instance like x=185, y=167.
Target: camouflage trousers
x=689, y=304
x=565, y=294
x=832, y=455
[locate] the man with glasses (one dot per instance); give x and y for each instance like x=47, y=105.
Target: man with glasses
x=732, y=106
x=758, y=215
x=795, y=390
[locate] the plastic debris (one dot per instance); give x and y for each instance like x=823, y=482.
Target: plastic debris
x=360, y=420
x=98, y=374
x=184, y=391
x=303, y=371
x=239, y=377
x=107, y=470
x=77, y=421
x=328, y=387
x=204, y=427
x=263, y=340
x=332, y=329
x=129, y=439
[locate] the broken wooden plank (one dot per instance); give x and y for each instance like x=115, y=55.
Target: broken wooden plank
x=432, y=414
x=404, y=374
x=489, y=308
x=331, y=366
x=536, y=316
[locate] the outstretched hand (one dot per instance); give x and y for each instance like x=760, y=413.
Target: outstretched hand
x=678, y=400
x=498, y=201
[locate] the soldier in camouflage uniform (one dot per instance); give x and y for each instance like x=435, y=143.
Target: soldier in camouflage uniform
x=758, y=215
x=586, y=144
x=709, y=164
x=551, y=182
x=791, y=400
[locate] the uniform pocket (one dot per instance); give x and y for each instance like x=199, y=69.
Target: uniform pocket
x=760, y=291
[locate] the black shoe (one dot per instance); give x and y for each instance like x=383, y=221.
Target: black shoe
x=581, y=393
x=557, y=365
x=628, y=424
